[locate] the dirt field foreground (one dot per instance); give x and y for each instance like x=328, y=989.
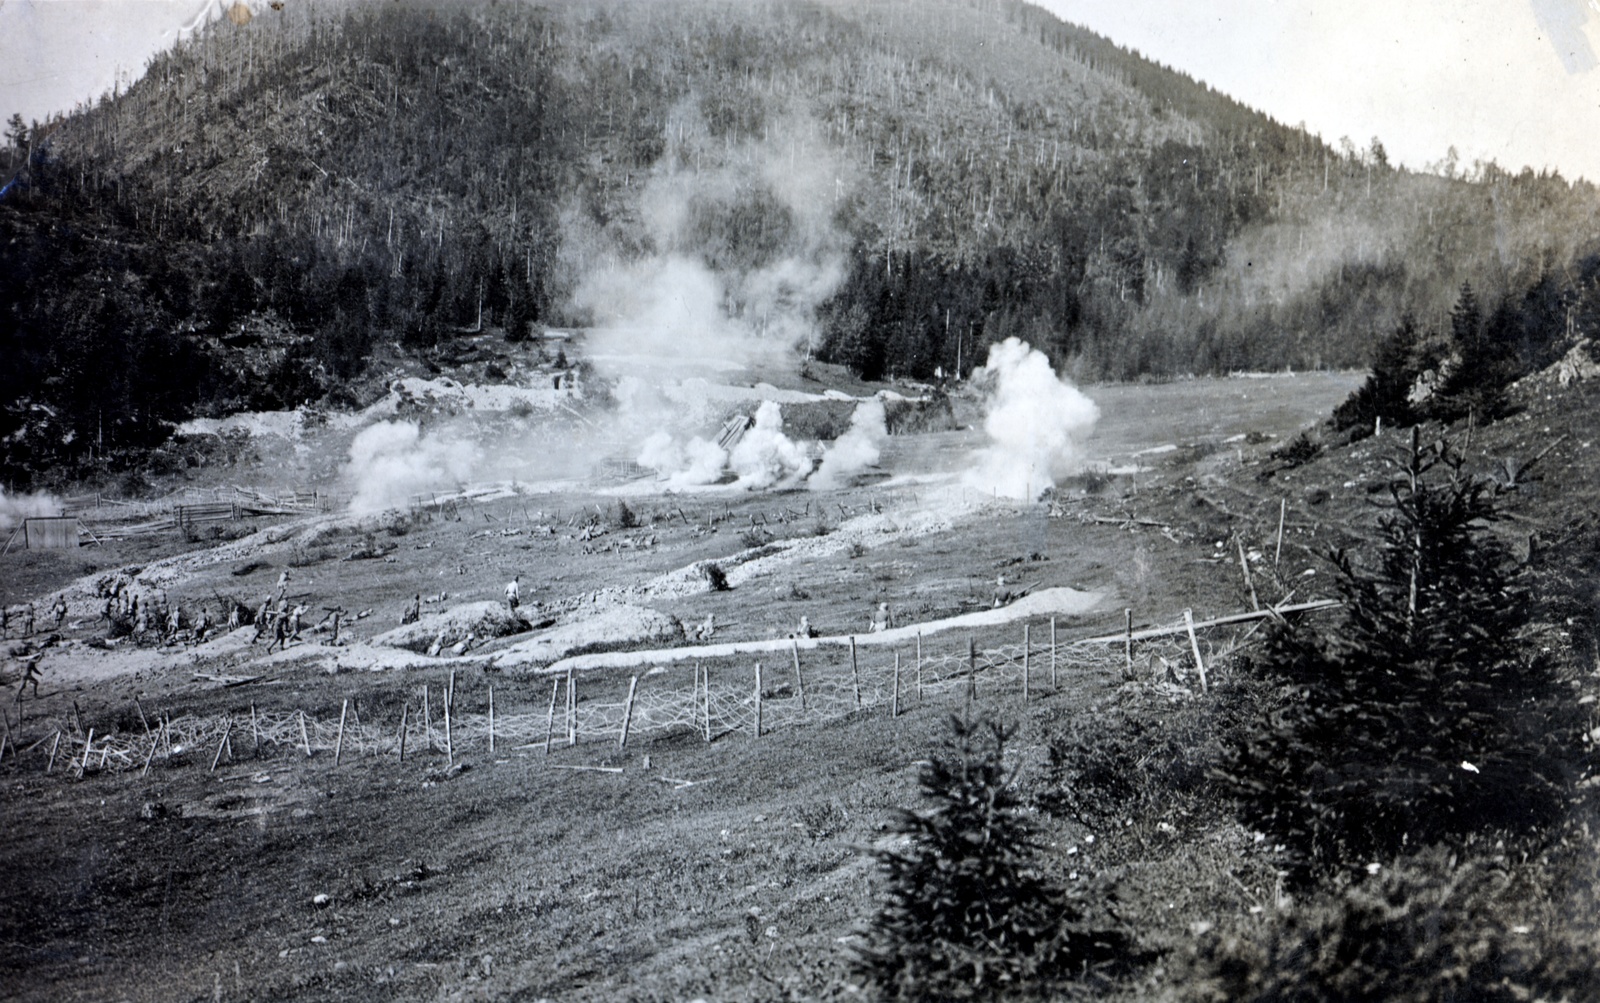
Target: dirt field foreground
x=243, y=825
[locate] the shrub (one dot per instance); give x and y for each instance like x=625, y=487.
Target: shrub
x=1300, y=450
x=1428, y=929
x=1422, y=716
x=967, y=915
x=626, y=518
x=717, y=578
x=1387, y=392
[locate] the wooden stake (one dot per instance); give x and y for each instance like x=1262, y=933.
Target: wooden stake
x=1127, y=639
x=338, y=743
x=255, y=734
x=1244, y=566
x=919, y=666
x=572, y=711
x=706, y=696
x=304, y=739
x=799, y=681
x=449, y=741
x=427, y=718
x=1052, y=654
x=57, y=744
x=227, y=729
x=142, y=719
x=1194, y=643
x=1283, y=510
x=491, y=720
x=87, y=742
x=894, y=705
x=405, y=714
x=627, y=713
x=855, y=675
x=758, y=700
x=155, y=741
x=1025, y=646
x=550, y=719
x=972, y=668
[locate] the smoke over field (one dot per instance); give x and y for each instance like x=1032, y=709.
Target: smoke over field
x=394, y=460
x=855, y=450
x=15, y=508
x=1036, y=423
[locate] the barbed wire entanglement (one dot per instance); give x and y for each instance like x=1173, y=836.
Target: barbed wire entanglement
x=711, y=699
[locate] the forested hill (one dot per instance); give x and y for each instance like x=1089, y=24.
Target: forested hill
x=920, y=179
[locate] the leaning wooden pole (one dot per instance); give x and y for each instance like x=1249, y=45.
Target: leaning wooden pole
x=405, y=713
x=1052, y=654
x=227, y=729
x=627, y=713
x=338, y=743
x=1244, y=567
x=491, y=720
x=572, y=710
x=799, y=681
x=1127, y=639
x=1194, y=644
x=449, y=739
x=705, y=696
x=1283, y=510
x=758, y=699
x=919, y=667
x=305, y=740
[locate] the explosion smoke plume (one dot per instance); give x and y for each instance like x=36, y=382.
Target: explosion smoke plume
x=1036, y=423
x=392, y=461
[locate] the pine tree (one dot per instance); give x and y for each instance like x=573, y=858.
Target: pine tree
x=1423, y=716
x=967, y=915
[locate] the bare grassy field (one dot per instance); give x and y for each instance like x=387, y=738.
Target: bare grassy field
x=672, y=868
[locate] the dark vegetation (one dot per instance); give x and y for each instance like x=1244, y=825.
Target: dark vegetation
x=1414, y=768
x=273, y=202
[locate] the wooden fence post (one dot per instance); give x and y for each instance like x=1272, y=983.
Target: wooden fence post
x=919, y=666
x=1194, y=643
x=855, y=675
x=1025, y=649
x=491, y=720
x=550, y=720
x=799, y=682
x=57, y=744
x=627, y=713
x=449, y=739
x=305, y=740
x=706, y=698
x=972, y=668
x=572, y=710
x=255, y=734
x=758, y=699
x=427, y=718
x=894, y=705
x=405, y=713
x=1127, y=639
x=338, y=743
x=1052, y=654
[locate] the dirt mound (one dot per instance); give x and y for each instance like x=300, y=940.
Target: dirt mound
x=484, y=620
x=609, y=628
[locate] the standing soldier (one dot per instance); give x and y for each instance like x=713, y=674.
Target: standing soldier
x=175, y=621
x=880, y=619
x=294, y=621
x=30, y=674
x=200, y=624
x=280, y=633
x=60, y=610
x=413, y=612
x=263, y=619
x=514, y=593
x=27, y=621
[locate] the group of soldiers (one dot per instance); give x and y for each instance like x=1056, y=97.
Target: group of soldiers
x=26, y=618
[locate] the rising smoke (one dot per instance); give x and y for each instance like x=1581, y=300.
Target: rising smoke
x=15, y=508
x=854, y=451
x=765, y=457
x=393, y=462
x=1036, y=424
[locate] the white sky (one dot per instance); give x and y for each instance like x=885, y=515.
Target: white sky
x=1515, y=80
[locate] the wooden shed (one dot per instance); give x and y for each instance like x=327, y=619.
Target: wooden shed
x=56, y=532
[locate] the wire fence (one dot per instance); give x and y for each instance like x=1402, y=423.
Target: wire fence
x=710, y=699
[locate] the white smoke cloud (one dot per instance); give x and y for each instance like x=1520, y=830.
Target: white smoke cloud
x=765, y=456
x=854, y=451
x=15, y=508
x=1036, y=424
x=698, y=462
x=392, y=461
